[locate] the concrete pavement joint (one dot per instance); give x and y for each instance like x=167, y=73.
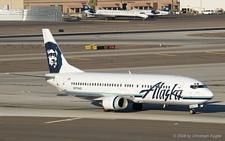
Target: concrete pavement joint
x=166, y=54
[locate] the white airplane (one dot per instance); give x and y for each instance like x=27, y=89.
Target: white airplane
x=118, y=13
x=113, y=13
x=115, y=90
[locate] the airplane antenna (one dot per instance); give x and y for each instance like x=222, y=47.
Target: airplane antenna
x=129, y=72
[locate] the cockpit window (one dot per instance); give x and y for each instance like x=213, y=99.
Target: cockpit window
x=196, y=85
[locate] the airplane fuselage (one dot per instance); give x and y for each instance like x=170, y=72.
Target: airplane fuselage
x=145, y=88
x=119, y=13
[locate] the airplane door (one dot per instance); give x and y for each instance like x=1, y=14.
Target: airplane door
x=65, y=83
x=61, y=83
x=180, y=85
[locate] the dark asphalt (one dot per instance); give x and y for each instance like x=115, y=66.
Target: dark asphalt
x=117, y=61
x=36, y=129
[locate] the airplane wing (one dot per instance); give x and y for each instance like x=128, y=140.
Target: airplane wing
x=91, y=96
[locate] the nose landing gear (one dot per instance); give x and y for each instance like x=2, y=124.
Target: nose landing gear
x=192, y=111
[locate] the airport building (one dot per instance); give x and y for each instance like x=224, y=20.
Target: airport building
x=51, y=10
x=11, y=4
x=69, y=6
x=75, y=6
x=188, y=6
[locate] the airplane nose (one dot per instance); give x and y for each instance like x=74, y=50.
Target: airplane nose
x=210, y=94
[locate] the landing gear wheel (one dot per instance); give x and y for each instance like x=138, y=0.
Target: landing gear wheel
x=192, y=111
x=137, y=106
x=106, y=110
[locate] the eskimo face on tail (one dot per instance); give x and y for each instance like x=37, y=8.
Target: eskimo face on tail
x=54, y=57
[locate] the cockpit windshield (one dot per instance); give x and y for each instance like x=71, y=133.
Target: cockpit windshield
x=197, y=85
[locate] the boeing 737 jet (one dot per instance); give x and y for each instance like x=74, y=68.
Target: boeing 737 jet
x=115, y=90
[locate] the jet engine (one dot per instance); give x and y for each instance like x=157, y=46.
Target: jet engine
x=114, y=103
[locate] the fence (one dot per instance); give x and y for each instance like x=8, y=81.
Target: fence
x=36, y=13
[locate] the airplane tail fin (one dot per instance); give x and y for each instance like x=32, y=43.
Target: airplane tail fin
x=167, y=8
x=56, y=61
x=87, y=9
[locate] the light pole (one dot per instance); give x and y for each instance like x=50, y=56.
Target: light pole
x=172, y=6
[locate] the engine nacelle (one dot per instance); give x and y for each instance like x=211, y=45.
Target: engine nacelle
x=114, y=103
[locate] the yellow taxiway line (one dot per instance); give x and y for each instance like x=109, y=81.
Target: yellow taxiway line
x=211, y=52
x=27, y=29
x=88, y=26
x=63, y=120
x=144, y=24
x=165, y=54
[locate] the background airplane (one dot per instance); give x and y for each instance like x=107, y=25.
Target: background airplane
x=125, y=13
x=112, y=14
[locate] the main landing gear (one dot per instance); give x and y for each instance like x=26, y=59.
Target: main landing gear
x=137, y=106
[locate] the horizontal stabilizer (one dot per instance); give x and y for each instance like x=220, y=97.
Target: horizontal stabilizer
x=33, y=75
